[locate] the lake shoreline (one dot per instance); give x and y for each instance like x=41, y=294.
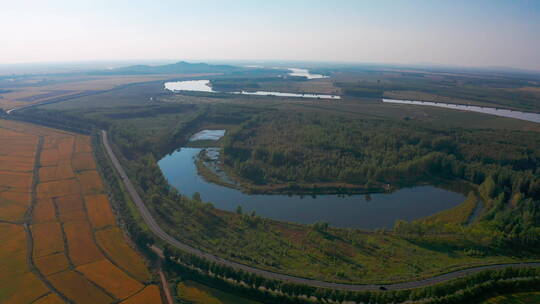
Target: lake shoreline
x=353, y=208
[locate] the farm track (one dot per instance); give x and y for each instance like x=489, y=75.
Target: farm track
x=158, y=231
x=166, y=288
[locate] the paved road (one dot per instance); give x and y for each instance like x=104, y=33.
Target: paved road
x=156, y=229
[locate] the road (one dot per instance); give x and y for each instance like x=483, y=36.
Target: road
x=166, y=288
x=156, y=229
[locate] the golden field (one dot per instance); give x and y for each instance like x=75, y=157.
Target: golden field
x=50, y=184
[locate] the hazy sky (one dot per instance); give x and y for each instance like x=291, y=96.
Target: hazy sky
x=457, y=32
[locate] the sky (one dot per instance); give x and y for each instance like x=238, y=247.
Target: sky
x=482, y=33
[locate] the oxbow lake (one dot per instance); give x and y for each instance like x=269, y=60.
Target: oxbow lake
x=355, y=211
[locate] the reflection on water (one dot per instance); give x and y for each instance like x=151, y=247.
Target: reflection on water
x=207, y=135
x=306, y=95
x=358, y=211
x=305, y=73
x=189, y=85
x=534, y=117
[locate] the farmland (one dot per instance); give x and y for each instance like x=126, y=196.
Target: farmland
x=196, y=293
x=53, y=210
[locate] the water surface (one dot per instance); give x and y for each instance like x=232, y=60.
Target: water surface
x=189, y=85
x=205, y=86
x=305, y=73
x=534, y=117
x=207, y=135
x=357, y=211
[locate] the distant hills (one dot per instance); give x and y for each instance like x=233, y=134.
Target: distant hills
x=181, y=67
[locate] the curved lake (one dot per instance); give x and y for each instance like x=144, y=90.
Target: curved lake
x=356, y=211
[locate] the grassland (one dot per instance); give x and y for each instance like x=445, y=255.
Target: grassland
x=64, y=209
x=461, y=214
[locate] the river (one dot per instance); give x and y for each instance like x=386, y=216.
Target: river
x=534, y=117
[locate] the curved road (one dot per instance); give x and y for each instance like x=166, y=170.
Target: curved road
x=156, y=229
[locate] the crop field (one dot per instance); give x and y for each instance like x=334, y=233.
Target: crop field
x=193, y=292
x=79, y=288
x=53, y=263
x=44, y=211
x=36, y=89
x=147, y=295
x=82, y=249
x=110, y=240
x=48, y=238
x=114, y=280
x=69, y=218
x=99, y=211
x=15, y=276
x=49, y=299
x=70, y=208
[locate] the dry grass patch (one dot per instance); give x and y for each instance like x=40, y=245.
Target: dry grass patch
x=99, y=210
x=48, y=238
x=149, y=295
x=90, y=182
x=53, y=263
x=58, y=188
x=78, y=288
x=111, y=278
x=82, y=249
x=112, y=241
